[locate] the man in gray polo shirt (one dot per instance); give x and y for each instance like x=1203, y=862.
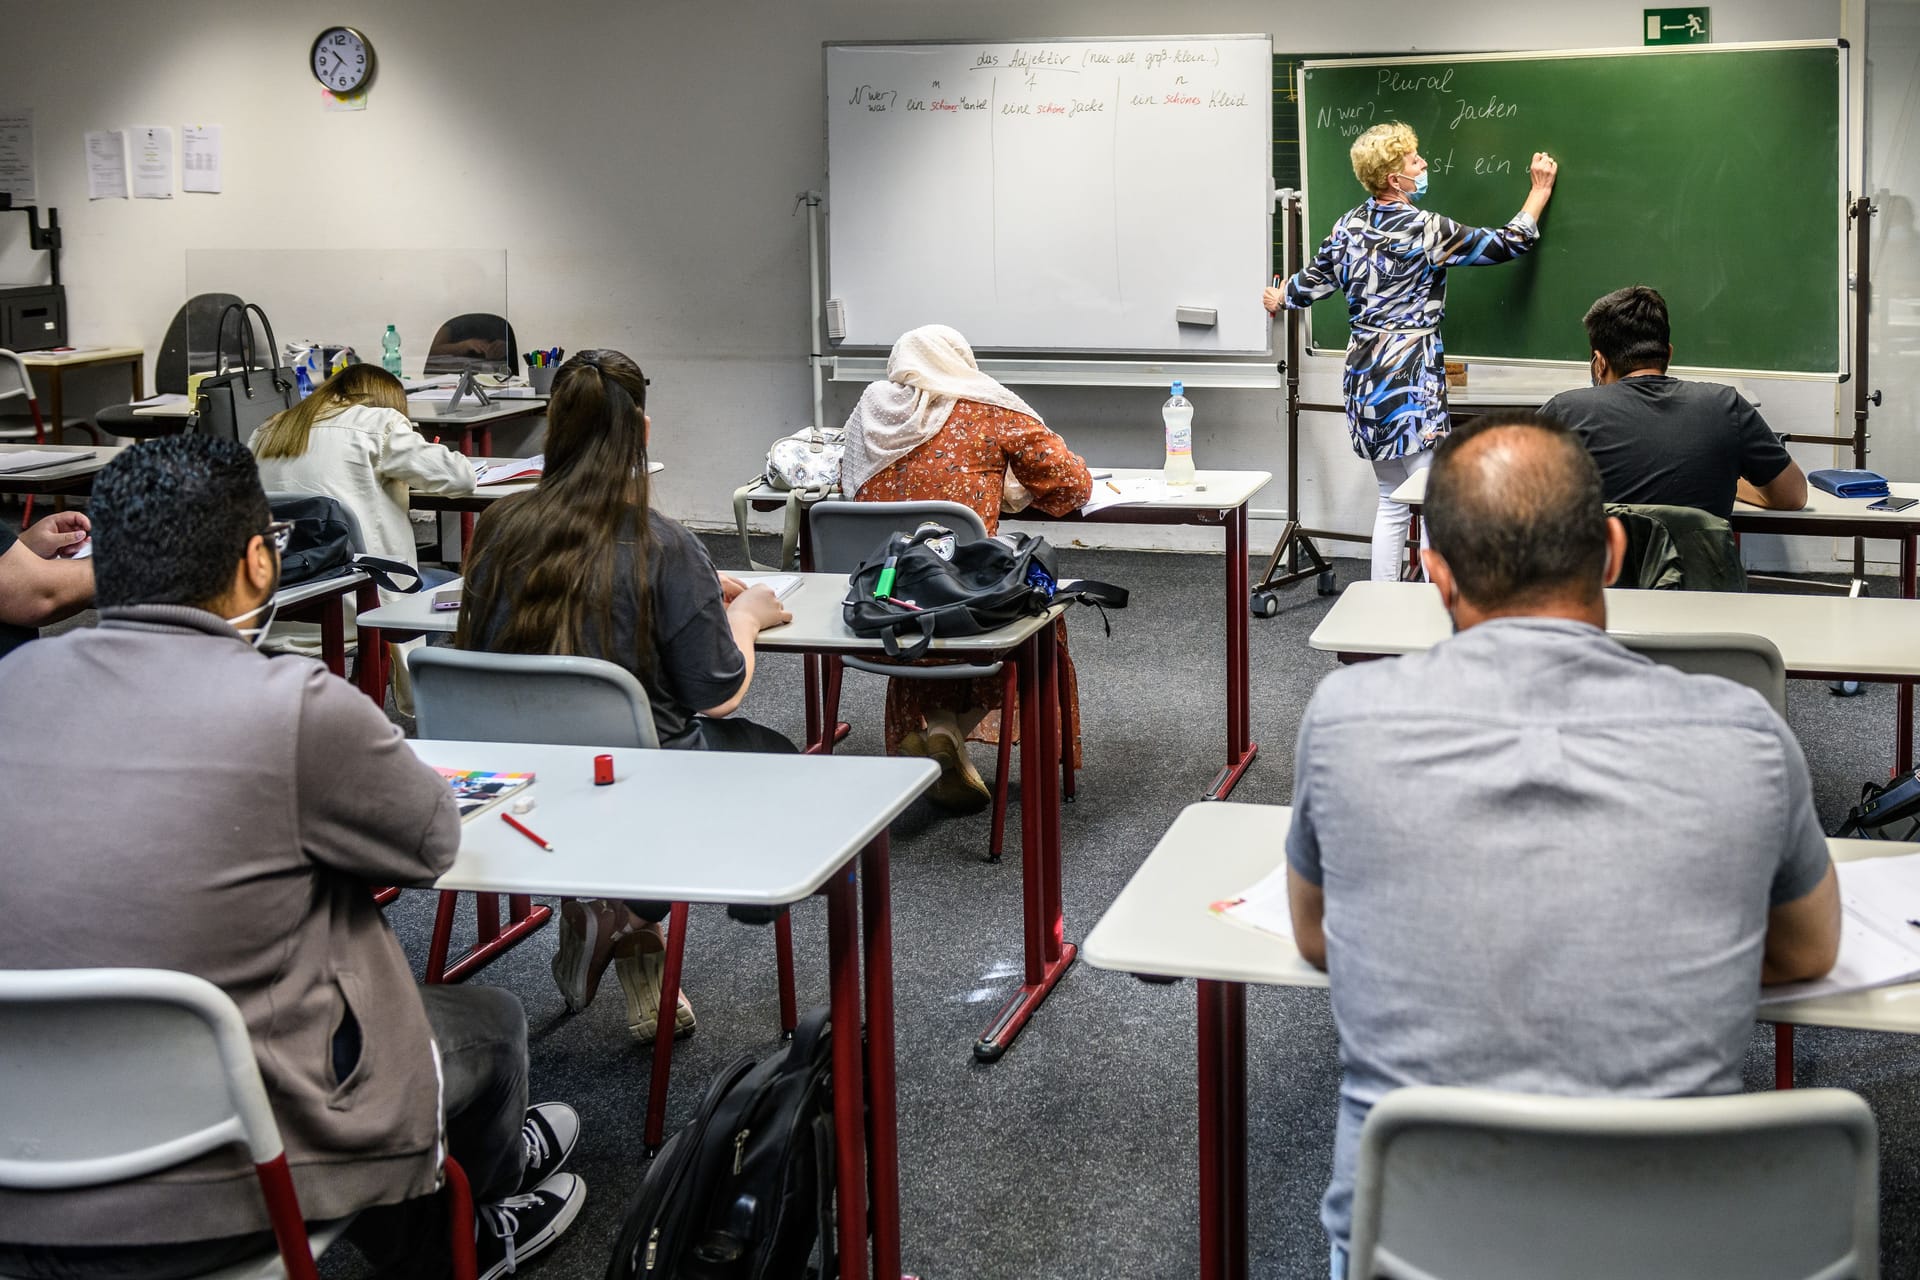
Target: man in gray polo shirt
x=1529, y=859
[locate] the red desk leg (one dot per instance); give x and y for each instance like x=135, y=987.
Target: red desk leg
x=849, y=1095
x=876, y=913
x=1048, y=956
x=372, y=673
x=1241, y=748
x=1783, y=1055
x=1223, y=1130
x=333, y=636
x=1908, y=551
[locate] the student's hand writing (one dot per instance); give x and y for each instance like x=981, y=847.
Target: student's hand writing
x=1543, y=171
x=730, y=588
x=1271, y=299
x=60, y=534
x=761, y=605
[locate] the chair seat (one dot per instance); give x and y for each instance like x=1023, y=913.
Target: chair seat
x=944, y=671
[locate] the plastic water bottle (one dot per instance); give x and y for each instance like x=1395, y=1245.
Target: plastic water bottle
x=390, y=351
x=1178, y=414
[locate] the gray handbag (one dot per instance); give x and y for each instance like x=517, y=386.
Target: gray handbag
x=234, y=402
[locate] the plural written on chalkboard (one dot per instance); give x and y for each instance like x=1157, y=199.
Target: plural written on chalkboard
x=1350, y=121
x=1063, y=83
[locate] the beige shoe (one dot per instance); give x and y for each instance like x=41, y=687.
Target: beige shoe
x=960, y=789
x=639, y=962
x=589, y=929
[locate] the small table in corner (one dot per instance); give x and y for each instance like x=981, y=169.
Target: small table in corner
x=56, y=364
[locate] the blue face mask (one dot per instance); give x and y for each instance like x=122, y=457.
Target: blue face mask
x=1419, y=186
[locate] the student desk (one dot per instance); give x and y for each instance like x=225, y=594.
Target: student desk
x=430, y=416
x=325, y=601
x=1819, y=637
x=1216, y=499
x=818, y=629
x=1824, y=516
x=61, y=478
x=677, y=797
x=1161, y=925
x=56, y=363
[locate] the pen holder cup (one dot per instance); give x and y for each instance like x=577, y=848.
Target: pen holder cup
x=540, y=378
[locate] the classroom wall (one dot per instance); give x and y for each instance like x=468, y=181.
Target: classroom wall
x=638, y=162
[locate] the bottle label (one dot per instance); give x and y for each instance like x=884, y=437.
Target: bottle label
x=1180, y=439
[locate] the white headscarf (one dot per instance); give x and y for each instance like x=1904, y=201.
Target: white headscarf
x=930, y=369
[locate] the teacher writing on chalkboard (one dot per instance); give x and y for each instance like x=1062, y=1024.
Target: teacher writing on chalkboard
x=1391, y=261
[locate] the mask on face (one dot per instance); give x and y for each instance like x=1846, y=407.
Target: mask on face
x=1593, y=370
x=1419, y=186
x=257, y=636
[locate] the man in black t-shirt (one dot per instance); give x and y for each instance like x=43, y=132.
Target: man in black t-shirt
x=1662, y=440
x=39, y=582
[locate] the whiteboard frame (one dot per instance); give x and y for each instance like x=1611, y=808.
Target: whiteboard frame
x=1126, y=354
x=1844, y=339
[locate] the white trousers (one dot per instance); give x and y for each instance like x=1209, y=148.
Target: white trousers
x=1391, y=519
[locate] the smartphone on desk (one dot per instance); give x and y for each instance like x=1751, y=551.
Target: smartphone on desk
x=447, y=598
x=1891, y=503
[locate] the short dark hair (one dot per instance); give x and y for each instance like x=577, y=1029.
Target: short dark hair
x=1629, y=327
x=172, y=517
x=1517, y=525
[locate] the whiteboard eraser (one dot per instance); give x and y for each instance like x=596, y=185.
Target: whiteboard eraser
x=836, y=319
x=1198, y=317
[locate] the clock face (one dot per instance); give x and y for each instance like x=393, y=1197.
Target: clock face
x=342, y=59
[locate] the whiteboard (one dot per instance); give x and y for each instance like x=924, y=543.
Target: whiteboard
x=1052, y=195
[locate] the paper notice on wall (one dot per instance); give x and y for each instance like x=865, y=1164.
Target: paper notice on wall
x=106, y=164
x=16, y=154
x=200, y=157
x=153, y=163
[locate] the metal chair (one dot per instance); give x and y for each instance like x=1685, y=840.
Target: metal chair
x=1745, y=659
x=191, y=346
x=582, y=702
x=1471, y=1184
x=114, y=1074
x=843, y=533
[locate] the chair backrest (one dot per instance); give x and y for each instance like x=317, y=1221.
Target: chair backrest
x=528, y=697
x=108, y=1074
x=478, y=342
x=14, y=380
x=844, y=533
x=193, y=341
x=1745, y=659
x=1469, y=1184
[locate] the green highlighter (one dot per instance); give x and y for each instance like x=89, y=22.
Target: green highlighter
x=884, y=587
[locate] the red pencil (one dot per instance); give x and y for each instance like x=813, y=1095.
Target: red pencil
x=525, y=830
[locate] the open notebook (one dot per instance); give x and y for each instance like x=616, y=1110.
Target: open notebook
x=1879, y=944
x=477, y=791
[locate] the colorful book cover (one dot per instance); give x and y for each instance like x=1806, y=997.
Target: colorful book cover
x=476, y=790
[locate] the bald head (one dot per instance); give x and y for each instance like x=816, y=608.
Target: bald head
x=1514, y=508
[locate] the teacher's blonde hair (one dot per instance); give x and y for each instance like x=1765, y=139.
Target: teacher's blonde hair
x=1380, y=151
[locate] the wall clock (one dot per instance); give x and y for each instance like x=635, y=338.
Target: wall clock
x=342, y=60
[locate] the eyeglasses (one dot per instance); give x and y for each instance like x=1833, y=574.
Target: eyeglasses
x=279, y=533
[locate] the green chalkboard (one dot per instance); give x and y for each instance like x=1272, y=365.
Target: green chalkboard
x=1711, y=174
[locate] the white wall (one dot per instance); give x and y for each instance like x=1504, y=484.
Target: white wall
x=638, y=161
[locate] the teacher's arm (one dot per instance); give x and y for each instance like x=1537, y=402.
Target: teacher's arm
x=1312, y=282
x=1543, y=171
x=1452, y=244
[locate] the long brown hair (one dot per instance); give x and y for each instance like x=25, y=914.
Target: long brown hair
x=285, y=433
x=543, y=563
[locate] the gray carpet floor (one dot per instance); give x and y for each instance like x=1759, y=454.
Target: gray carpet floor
x=1075, y=1154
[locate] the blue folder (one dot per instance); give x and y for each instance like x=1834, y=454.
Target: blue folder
x=1844, y=483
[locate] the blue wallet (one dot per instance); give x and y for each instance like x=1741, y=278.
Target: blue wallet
x=1844, y=483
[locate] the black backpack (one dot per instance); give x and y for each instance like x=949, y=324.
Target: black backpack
x=1887, y=811
x=320, y=545
x=929, y=583
x=746, y=1190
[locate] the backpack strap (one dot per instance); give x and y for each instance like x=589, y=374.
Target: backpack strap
x=389, y=574
x=890, y=639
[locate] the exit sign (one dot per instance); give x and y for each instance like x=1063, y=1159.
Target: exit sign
x=1677, y=26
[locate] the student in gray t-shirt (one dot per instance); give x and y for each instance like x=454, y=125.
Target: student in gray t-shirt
x=1530, y=859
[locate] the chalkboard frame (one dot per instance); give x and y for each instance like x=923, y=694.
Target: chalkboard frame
x=1167, y=356
x=1845, y=188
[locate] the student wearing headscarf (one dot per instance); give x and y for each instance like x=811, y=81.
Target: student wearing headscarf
x=938, y=429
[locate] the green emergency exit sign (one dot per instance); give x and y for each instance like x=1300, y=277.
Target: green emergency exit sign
x=1677, y=26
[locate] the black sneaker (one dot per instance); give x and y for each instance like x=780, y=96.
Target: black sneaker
x=510, y=1231
x=550, y=1130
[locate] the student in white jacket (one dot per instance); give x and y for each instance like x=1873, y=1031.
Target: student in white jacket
x=351, y=440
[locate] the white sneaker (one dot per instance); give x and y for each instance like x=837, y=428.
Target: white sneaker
x=510, y=1231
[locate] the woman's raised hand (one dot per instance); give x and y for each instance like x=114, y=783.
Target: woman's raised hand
x=1543, y=171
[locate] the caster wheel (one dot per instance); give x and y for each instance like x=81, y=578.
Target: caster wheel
x=1265, y=604
x=1846, y=688
x=1326, y=585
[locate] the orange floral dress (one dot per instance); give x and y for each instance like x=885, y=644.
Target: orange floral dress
x=967, y=463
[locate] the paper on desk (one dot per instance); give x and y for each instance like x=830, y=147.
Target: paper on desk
x=781, y=584
x=431, y=393
x=513, y=469
x=106, y=164
x=200, y=158
x=1877, y=946
x=1262, y=907
x=153, y=163
x=33, y=459
x=16, y=155
x=1120, y=493
x=165, y=397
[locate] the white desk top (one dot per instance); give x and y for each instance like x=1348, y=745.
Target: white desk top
x=83, y=355
x=684, y=826
x=1210, y=491
x=1821, y=506
x=286, y=597
x=1161, y=923
x=815, y=605
x=1867, y=638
